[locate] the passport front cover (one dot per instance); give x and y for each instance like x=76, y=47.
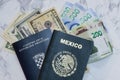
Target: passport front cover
x=66, y=57
x=31, y=52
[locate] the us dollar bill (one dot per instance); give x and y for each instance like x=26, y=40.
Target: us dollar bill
x=11, y=32
x=6, y=37
x=23, y=27
x=5, y=45
x=49, y=19
x=8, y=47
x=14, y=32
x=9, y=35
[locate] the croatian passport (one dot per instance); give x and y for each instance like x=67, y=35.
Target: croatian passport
x=66, y=57
x=31, y=52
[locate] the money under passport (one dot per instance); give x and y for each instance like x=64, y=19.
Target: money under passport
x=22, y=27
x=85, y=23
x=74, y=19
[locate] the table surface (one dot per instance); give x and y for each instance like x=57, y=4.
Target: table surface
x=107, y=10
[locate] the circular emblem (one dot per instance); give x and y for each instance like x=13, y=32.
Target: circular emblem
x=48, y=24
x=64, y=64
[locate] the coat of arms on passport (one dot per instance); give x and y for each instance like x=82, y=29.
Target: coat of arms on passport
x=64, y=63
x=66, y=57
x=39, y=59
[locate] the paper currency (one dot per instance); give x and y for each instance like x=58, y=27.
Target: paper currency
x=87, y=25
x=77, y=11
x=66, y=10
x=82, y=32
x=19, y=28
x=74, y=11
x=5, y=45
x=77, y=20
x=96, y=32
x=9, y=46
x=49, y=19
x=11, y=32
x=8, y=39
x=71, y=11
x=86, y=19
x=101, y=41
x=23, y=27
x=74, y=15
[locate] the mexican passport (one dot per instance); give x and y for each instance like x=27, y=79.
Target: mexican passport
x=66, y=57
x=31, y=52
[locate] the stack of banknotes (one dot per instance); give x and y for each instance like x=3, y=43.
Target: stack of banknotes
x=73, y=19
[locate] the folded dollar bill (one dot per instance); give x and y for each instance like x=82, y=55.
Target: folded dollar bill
x=49, y=19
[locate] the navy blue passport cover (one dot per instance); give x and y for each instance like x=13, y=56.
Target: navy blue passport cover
x=66, y=57
x=31, y=52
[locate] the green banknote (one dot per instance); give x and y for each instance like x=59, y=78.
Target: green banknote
x=11, y=34
x=98, y=34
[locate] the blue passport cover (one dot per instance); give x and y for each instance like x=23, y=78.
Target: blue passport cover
x=66, y=57
x=31, y=52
